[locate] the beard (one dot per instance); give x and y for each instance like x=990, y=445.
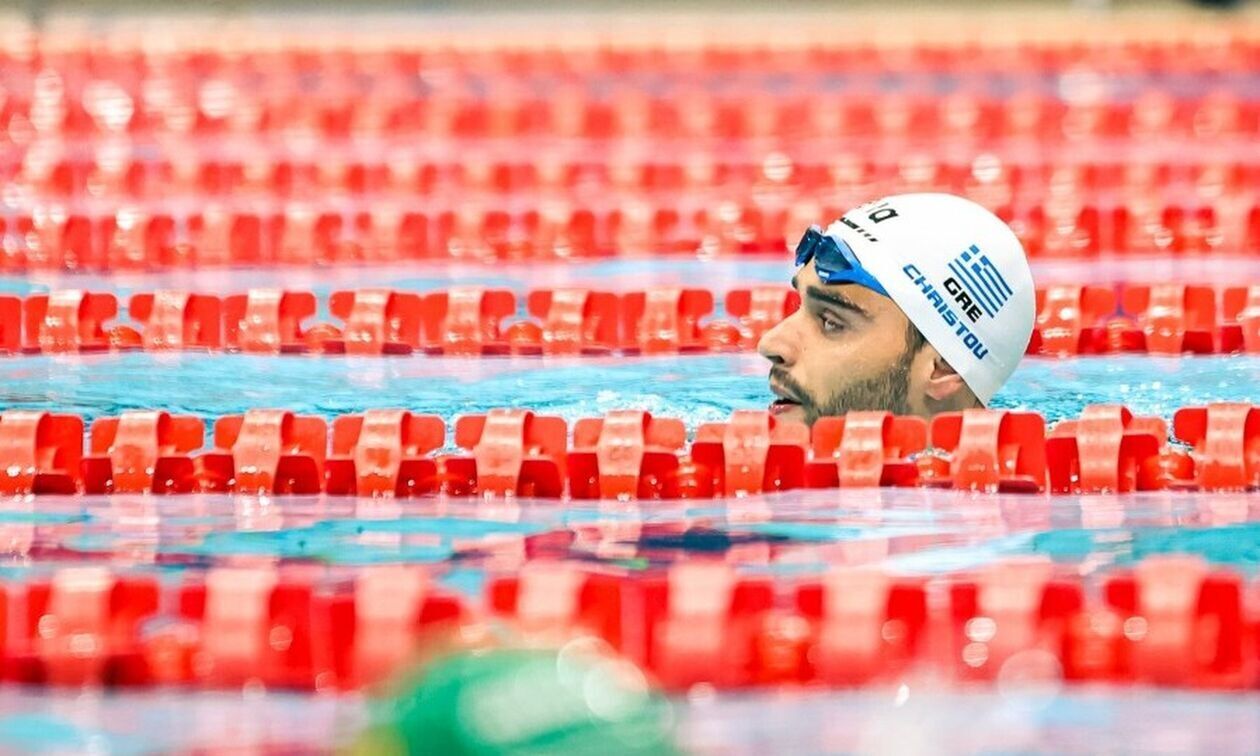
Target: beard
x=887, y=392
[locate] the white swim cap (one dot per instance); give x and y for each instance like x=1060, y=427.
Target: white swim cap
x=957, y=272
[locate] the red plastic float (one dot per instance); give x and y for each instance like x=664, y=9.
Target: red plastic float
x=254, y=626
x=178, y=320
x=266, y=452
x=1226, y=440
x=1240, y=308
x=267, y=320
x=1070, y=319
x=664, y=320
x=68, y=321
x=702, y=624
x=574, y=321
x=1012, y=621
x=384, y=453
x=759, y=309
x=40, y=452
x=466, y=320
x=1183, y=624
x=1173, y=318
x=627, y=454
x=83, y=629
x=866, y=625
x=385, y=622
x=1107, y=450
x=865, y=449
x=988, y=450
x=142, y=452
x=753, y=453
x=219, y=237
x=514, y=452
x=10, y=325
x=553, y=601
x=378, y=321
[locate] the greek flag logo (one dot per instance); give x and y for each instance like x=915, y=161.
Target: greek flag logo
x=982, y=280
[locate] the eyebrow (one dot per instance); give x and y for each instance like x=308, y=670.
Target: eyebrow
x=835, y=299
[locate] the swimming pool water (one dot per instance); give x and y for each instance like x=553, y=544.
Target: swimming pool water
x=906, y=531
x=694, y=388
x=796, y=532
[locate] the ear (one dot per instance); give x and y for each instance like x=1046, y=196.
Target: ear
x=944, y=384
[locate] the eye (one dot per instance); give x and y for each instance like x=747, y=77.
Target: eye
x=830, y=324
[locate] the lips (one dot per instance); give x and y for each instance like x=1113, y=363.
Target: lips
x=785, y=400
x=782, y=406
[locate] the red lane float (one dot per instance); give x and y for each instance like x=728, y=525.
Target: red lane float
x=68, y=321
x=1226, y=441
x=988, y=450
x=1173, y=318
x=627, y=454
x=377, y=321
x=865, y=626
x=82, y=628
x=1240, y=308
x=221, y=238
x=1012, y=620
x=134, y=239
x=148, y=235
x=1070, y=319
x=1183, y=623
x=573, y=321
x=253, y=625
x=178, y=320
x=266, y=452
x=10, y=325
x=753, y=453
x=759, y=309
x=52, y=241
x=388, y=618
x=1107, y=450
x=1168, y=621
x=141, y=452
x=548, y=602
x=466, y=321
x=384, y=453
x=865, y=449
x=267, y=321
x=40, y=452
x=701, y=625
x=664, y=320
x=513, y=453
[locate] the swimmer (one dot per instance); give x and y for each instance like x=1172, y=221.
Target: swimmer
x=914, y=304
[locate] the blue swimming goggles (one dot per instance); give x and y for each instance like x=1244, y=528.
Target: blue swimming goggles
x=834, y=260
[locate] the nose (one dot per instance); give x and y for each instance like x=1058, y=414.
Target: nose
x=779, y=344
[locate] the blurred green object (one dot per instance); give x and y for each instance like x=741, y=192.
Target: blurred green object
x=517, y=701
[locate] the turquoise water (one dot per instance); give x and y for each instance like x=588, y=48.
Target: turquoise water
x=694, y=388
x=911, y=531
x=786, y=535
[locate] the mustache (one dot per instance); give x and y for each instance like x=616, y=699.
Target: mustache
x=780, y=376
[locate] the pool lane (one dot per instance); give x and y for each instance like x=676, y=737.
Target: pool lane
x=908, y=531
x=718, y=274
x=697, y=389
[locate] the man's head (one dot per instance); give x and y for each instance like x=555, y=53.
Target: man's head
x=915, y=304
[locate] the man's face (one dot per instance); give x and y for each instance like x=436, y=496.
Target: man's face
x=844, y=349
